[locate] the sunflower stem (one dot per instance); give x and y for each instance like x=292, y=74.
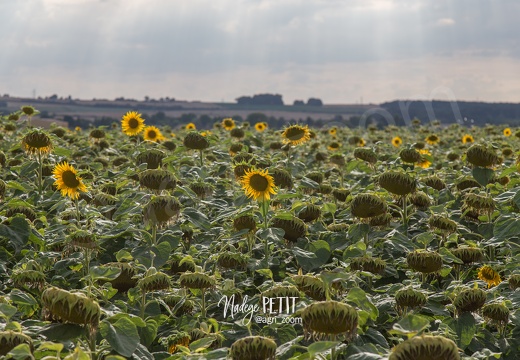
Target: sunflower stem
x=143, y=300
x=201, y=158
x=40, y=170
x=203, y=310
x=78, y=214
x=154, y=234
x=405, y=213
x=264, y=206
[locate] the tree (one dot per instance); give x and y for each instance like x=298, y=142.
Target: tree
x=314, y=102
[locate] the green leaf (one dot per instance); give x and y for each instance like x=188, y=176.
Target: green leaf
x=148, y=333
x=62, y=332
x=104, y=273
x=7, y=310
x=122, y=335
x=266, y=273
x=201, y=344
x=321, y=346
x=61, y=152
x=162, y=253
x=448, y=257
x=358, y=297
x=483, y=175
x=410, y=326
x=505, y=227
x=318, y=254
x=197, y=218
x=466, y=327
x=50, y=346
x=21, y=352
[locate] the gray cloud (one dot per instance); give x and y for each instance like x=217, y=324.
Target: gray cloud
x=126, y=44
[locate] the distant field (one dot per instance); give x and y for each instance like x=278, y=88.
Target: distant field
x=92, y=110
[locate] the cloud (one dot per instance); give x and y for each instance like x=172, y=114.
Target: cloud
x=446, y=22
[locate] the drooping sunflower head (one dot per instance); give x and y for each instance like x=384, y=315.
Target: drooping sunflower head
x=469, y=300
x=367, y=206
x=296, y=134
x=467, y=139
x=397, y=141
x=258, y=184
x=37, y=142
x=228, y=124
x=260, y=126
x=442, y=224
x=334, y=146
x=195, y=141
x=410, y=156
x=426, y=347
x=161, y=209
x=325, y=318
x=480, y=155
x=397, y=183
x=365, y=154
x=96, y=135
x=293, y=228
x=253, y=348
x=154, y=280
x=196, y=280
x=432, y=139
x=67, y=180
x=10, y=339
x=487, y=274
x=246, y=221
x=132, y=123
x=29, y=110
x=409, y=298
x=152, y=133
x=368, y=263
x=507, y=132
x=425, y=262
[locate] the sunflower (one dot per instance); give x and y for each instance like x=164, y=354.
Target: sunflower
x=333, y=146
x=397, y=141
x=432, y=139
x=333, y=131
x=77, y=128
x=67, y=180
x=467, y=139
x=489, y=275
x=190, y=126
x=507, y=132
x=205, y=133
x=260, y=126
x=258, y=184
x=151, y=133
x=296, y=134
x=228, y=124
x=37, y=142
x=132, y=123
x=424, y=162
x=361, y=142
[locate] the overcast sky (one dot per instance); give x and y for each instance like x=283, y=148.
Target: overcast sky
x=341, y=51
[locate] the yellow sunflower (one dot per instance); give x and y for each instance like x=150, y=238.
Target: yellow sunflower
x=490, y=276
x=296, y=134
x=397, y=141
x=333, y=146
x=507, y=132
x=361, y=142
x=432, y=139
x=205, y=133
x=258, y=184
x=333, y=131
x=260, y=126
x=67, y=180
x=151, y=133
x=132, y=123
x=467, y=139
x=190, y=126
x=424, y=163
x=77, y=128
x=228, y=124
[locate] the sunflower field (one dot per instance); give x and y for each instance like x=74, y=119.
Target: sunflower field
x=246, y=242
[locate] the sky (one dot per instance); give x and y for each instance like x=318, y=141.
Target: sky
x=341, y=51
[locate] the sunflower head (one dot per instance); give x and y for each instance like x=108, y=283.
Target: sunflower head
x=424, y=261
x=368, y=263
x=195, y=141
x=514, y=281
x=152, y=133
x=409, y=298
x=426, y=347
x=296, y=134
x=37, y=142
x=309, y=213
x=487, y=274
x=496, y=312
x=367, y=206
x=153, y=158
x=67, y=180
x=258, y=184
x=10, y=339
x=293, y=228
x=467, y=139
x=29, y=110
x=420, y=200
x=434, y=182
x=282, y=178
x=96, y=134
x=311, y=285
x=468, y=254
x=432, y=139
x=71, y=307
x=154, y=280
x=410, y=156
x=469, y=300
x=132, y=123
x=480, y=155
x=337, y=159
x=325, y=318
x=341, y=194
x=190, y=126
x=507, y=132
x=243, y=222
x=397, y=183
x=260, y=126
x=161, y=209
x=253, y=348
x=196, y=280
x=397, y=141
x=232, y=260
x=443, y=224
x=228, y=124
x=365, y=154
x=237, y=133
x=467, y=183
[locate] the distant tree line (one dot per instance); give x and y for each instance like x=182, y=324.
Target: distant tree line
x=274, y=100
x=471, y=113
